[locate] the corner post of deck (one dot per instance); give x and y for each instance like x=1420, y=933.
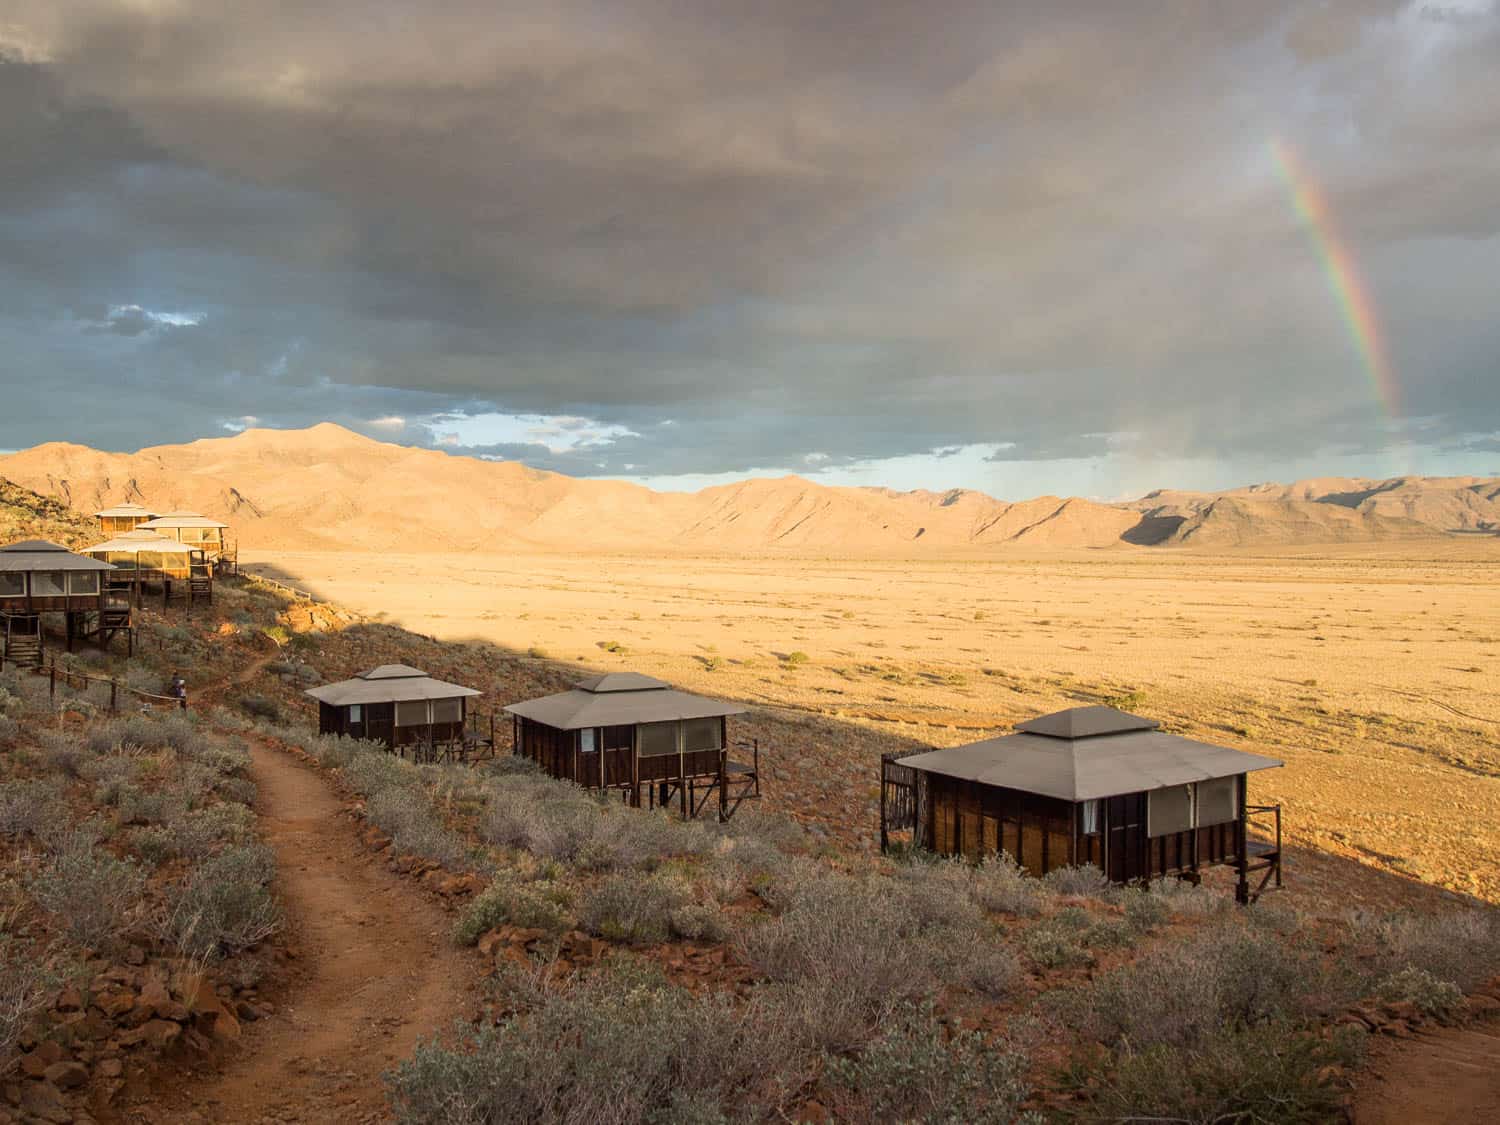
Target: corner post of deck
x=1242, y=847
x=885, y=839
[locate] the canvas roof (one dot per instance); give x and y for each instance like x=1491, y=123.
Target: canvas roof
x=390, y=683
x=620, y=699
x=39, y=554
x=120, y=510
x=182, y=519
x=1088, y=752
x=139, y=540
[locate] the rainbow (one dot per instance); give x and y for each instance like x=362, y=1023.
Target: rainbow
x=1344, y=279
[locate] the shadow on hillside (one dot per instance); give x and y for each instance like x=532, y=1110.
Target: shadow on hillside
x=823, y=771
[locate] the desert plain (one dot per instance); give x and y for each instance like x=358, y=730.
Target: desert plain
x=1369, y=669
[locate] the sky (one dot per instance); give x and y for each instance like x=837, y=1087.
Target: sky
x=1088, y=248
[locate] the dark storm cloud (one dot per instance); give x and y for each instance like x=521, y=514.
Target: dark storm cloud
x=841, y=229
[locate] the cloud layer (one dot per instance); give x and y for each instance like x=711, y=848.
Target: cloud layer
x=651, y=237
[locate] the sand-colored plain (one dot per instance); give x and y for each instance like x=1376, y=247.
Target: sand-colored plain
x=1373, y=677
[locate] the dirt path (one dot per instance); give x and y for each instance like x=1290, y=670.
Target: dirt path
x=376, y=965
x=1451, y=1077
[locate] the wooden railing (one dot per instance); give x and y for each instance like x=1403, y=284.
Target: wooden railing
x=80, y=681
x=262, y=580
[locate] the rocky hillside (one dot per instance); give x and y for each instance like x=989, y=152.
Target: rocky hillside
x=26, y=515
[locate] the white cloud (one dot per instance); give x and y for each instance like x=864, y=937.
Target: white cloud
x=389, y=422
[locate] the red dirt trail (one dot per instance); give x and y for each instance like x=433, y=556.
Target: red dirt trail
x=1451, y=1077
x=377, y=969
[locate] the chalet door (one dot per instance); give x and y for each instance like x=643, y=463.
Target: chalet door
x=1125, y=837
x=380, y=722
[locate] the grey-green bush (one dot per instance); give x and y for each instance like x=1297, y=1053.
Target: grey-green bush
x=92, y=896
x=913, y=1072
x=541, y=905
x=224, y=905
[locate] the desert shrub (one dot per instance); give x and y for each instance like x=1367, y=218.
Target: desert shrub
x=859, y=950
x=768, y=828
x=937, y=894
x=541, y=905
x=698, y=921
x=195, y=834
x=239, y=790
x=617, y=1047
x=415, y=828
x=1269, y=1072
x=28, y=982
x=1145, y=911
x=1181, y=994
x=1001, y=886
x=915, y=1073
x=260, y=707
x=64, y=753
x=1462, y=948
x=1184, y=900
x=1086, y=881
x=556, y=820
x=1432, y=997
x=512, y=765
x=1056, y=943
x=633, y=908
x=160, y=807
x=91, y=895
x=368, y=774
x=224, y=905
x=29, y=807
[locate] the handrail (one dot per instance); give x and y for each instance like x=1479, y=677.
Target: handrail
x=301, y=595
x=52, y=671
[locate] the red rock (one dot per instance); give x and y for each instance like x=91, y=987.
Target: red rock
x=115, y=1004
x=69, y=1000
x=247, y=1011
x=67, y=1075
x=1483, y=1006
x=33, y=1065
x=156, y=1033
x=172, y=1010
x=154, y=994
x=109, y=1068
x=489, y=940
x=44, y=1101
x=526, y=937
x=813, y=1113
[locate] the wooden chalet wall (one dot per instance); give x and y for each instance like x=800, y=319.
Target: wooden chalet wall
x=1043, y=833
x=377, y=722
x=560, y=754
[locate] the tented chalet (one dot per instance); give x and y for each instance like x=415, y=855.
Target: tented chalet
x=635, y=734
x=398, y=705
x=193, y=529
x=38, y=577
x=122, y=518
x=142, y=557
x=1087, y=785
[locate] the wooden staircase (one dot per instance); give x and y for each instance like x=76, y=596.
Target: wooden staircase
x=23, y=640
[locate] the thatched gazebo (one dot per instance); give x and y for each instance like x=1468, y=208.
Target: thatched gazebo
x=1087, y=785
x=141, y=556
x=193, y=529
x=122, y=518
x=38, y=577
x=398, y=705
x=633, y=733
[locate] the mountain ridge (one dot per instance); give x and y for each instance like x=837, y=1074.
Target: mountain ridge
x=328, y=487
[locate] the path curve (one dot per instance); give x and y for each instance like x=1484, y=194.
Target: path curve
x=1451, y=1077
x=377, y=967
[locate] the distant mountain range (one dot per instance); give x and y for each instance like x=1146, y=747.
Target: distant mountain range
x=329, y=488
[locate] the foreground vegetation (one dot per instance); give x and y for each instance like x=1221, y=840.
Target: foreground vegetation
x=923, y=990
x=133, y=890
